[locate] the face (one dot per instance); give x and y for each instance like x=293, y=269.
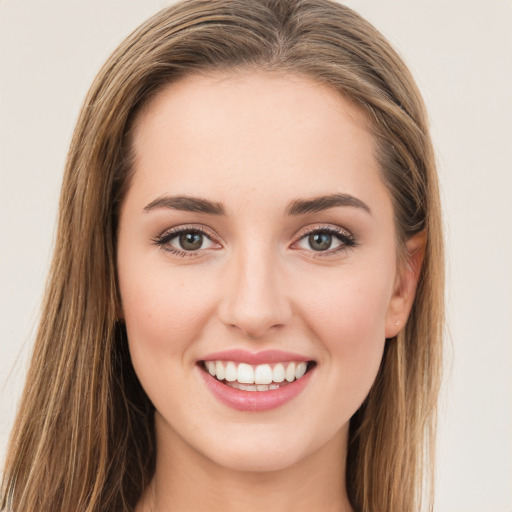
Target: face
x=256, y=242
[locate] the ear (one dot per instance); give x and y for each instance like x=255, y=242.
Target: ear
x=405, y=285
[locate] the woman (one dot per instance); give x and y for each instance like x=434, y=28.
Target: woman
x=245, y=301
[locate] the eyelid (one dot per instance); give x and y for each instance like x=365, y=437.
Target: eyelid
x=175, y=230
x=169, y=234
x=346, y=238
x=331, y=228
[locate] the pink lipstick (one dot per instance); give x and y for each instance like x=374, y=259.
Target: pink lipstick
x=255, y=381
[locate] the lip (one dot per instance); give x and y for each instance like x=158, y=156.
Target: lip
x=265, y=356
x=255, y=401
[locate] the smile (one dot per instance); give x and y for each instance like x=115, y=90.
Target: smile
x=262, y=377
x=256, y=382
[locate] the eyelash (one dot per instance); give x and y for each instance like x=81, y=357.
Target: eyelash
x=347, y=240
x=163, y=240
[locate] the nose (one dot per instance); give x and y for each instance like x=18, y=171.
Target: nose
x=254, y=299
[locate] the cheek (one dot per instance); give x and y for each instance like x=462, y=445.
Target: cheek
x=164, y=313
x=163, y=310
x=352, y=312
x=348, y=322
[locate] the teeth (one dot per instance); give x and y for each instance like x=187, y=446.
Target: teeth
x=245, y=374
x=231, y=373
x=262, y=377
x=278, y=373
x=253, y=387
x=300, y=370
x=263, y=374
x=290, y=372
x=219, y=371
x=210, y=365
x=247, y=387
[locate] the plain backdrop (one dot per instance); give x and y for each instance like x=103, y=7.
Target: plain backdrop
x=460, y=52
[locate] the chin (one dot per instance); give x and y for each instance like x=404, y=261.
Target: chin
x=256, y=458
x=266, y=447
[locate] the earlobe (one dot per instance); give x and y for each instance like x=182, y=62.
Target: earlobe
x=405, y=285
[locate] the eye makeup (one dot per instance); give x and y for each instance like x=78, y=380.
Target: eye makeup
x=318, y=241
x=186, y=241
x=324, y=240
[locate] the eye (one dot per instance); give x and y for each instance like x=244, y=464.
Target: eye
x=326, y=240
x=185, y=241
x=320, y=241
x=189, y=240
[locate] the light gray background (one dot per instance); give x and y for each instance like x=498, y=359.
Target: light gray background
x=460, y=52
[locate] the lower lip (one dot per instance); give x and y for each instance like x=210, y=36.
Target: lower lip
x=255, y=400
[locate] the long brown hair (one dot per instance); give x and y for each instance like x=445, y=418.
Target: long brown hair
x=83, y=439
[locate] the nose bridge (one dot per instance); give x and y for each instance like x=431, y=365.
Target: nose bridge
x=254, y=300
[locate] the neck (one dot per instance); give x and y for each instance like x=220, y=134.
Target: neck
x=185, y=480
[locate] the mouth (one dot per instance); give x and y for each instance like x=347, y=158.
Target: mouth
x=257, y=378
x=256, y=382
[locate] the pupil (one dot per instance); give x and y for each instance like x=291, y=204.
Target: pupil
x=320, y=241
x=191, y=241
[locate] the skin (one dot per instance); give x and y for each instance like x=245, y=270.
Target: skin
x=254, y=142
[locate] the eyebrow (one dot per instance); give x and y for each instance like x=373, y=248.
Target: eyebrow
x=186, y=204
x=318, y=204
x=296, y=207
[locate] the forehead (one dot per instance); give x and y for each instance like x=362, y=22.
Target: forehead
x=253, y=133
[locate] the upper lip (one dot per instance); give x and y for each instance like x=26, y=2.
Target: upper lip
x=255, y=358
